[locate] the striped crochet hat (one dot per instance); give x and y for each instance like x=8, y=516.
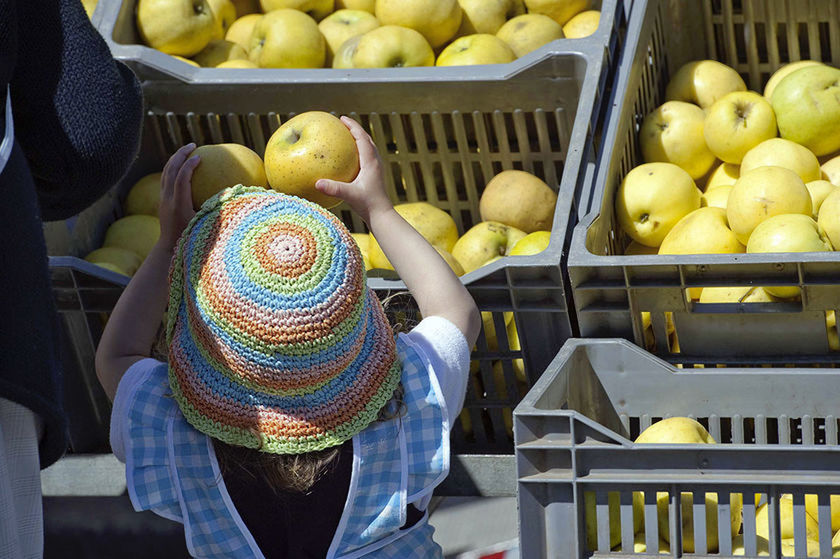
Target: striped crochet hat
x=275, y=341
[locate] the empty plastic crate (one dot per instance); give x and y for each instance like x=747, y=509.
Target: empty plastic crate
x=611, y=290
x=777, y=434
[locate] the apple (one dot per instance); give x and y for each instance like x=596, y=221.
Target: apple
x=703, y=231
x=763, y=193
x=830, y=170
x=762, y=521
x=703, y=82
x=736, y=123
x=366, y=5
x=614, y=512
x=218, y=51
x=181, y=27
x=779, y=152
x=344, y=24
x=436, y=20
x=560, y=11
x=137, y=233
x=673, y=133
x=476, y=49
x=652, y=199
x=240, y=30
x=528, y=32
x=515, y=345
x=310, y=146
x=450, y=260
x=783, y=71
x=487, y=16
x=582, y=25
x=532, y=243
x=807, y=105
x=812, y=507
x=287, y=39
x=391, y=46
x=185, y=60
x=363, y=240
x=725, y=173
x=144, y=196
x=483, y=242
x=716, y=197
x=224, y=12
x=343, y=57
x=518, y=199
x=829, y=217
x=239, y=63
x=317, y=9
x=819, y=191
x=742, y=294
x=117, y=259
x=223, y=166
x=489, y=328
x=433, y=224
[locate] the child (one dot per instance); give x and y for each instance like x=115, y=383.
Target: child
x=288, y=421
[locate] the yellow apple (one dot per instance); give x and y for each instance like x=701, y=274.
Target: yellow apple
x=436, y=20
x=736, y=123
x=833, y=344
x=223, y=166
x=763, y=193
x=345, y=24
x=529, y=32
x=490, y=328
x=224, y=12
x=640, y=544
x=829, y=217
x=240, y=63
x=487, y=16
x=343, y=57
x=518, y=199
x=515, y=345
x=673, y=133
x=181, y=27
x=317, y=9
x=740, y=294
x=391, y=46
x=762, y=546
x=819, y=191
x=433, y=224
x=560, y=11
x=812, y=507
x=614, y=512
x=532, y=243
x=471, y=50
x=779, y=152
x=241, y=29
x=582, y=25
x=363, y=240
x=137, y=233
x=788, y=233
x=724, y=174
x=808, y=109
x=830, y=170
x=762, y=518
x=310, y=146
x=117, y=259
x=484, y=241
x=450, y=260
x=366, y=5
x=144, y=196
x=218, y=51
x=245, y=7
x=783, y=71
x=703, y=82
x=675, y=430
x=716, y=197
x=635, y=249
x=287, y=38
x=186, y=60
x=703, y=231
x=652, y=198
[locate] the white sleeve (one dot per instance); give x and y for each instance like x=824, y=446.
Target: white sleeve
x=446, y=348
x=128, y=384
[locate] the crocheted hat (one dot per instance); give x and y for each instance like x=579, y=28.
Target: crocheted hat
x=275, y=341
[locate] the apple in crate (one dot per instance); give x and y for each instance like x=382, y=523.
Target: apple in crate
x=673, y=133
x=436, y=20
x=807, y=105
x=389, y=46
x=560, y=11
x=318, y=9
x=779, y=152
x=310, y=146
x=487, y=16
x=703, y=82
x=476, y=49
x=223, y=166
x=181, y=27
x=345, y=24
x=529, y=32
x=287, y=39
x=738, y=122
x=484, y=242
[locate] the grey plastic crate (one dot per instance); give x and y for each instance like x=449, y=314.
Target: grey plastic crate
x=777, y=429
x=116, y=21
x=611, y=290
x=441, y=141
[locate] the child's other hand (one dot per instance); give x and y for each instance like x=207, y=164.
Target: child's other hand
x=366, y=194
x=176, y=208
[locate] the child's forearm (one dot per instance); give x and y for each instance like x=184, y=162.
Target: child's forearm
x=434, y=285
x=134, y=322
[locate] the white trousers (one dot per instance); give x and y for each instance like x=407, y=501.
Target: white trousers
x=21, y=512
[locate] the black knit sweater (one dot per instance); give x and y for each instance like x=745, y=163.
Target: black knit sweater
x=77, y=120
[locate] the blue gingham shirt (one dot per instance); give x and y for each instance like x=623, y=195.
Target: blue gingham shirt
x=172, y=470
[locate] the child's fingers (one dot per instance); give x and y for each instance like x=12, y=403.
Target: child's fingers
x=330, y=187
x=183, y=182
x=173, y=166
x=364, y=143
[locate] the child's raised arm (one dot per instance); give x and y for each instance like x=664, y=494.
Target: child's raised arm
x=434, y=285
x=133, y=325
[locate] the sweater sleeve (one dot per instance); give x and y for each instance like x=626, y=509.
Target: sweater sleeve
x=78, y=112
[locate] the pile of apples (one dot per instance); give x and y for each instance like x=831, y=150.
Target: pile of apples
x=357, y=33
x=731, y=171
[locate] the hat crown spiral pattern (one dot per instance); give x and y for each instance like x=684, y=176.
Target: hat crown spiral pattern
x=275, y=341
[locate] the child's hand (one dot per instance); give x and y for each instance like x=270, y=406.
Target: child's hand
x=176, y=209
x=366, y=194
